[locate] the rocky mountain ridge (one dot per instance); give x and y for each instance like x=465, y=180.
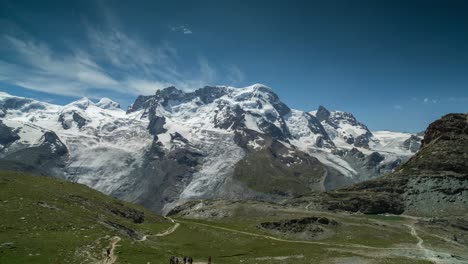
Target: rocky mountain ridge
x=434, y=182
x=240, y=143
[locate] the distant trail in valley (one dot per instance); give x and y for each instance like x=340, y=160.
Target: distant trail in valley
x=434, y=256
x=169, y=231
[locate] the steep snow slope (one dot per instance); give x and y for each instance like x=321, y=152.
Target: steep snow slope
x=103, y=144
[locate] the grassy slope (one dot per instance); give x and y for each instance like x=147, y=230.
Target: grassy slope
x=276, y=177
x=73, y=233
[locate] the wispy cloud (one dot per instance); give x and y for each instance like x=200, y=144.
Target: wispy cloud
x=429, y=100
x=110, y=60
x=398, y=107
x=458, y=99
x=181, y=29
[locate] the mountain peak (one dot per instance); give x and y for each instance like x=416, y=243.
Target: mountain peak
x=82, y=103
x=322, y=113
x=106, y=103
x=168, y=90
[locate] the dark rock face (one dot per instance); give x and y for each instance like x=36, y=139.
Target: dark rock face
x=156, y=125
x=307, y=227
x=226, y=117
x=322, y=114
x=362, y=141
x=178, y=137
x=367, y=166
x=208, y=94
x=298, y=225
x=274, y=131
x=374, y=158
x=7, y=135
x=80, y=121
x=51, y=139
x=136, y=216
x=76, y=117
x=161, y=178
x=48, y=158
x=444, y=148
x=142, y=102
x=413, y=143
x=334, y=119
x=450, y=127
x=316, y=127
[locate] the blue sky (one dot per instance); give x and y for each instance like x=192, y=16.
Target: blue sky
x=396, y=65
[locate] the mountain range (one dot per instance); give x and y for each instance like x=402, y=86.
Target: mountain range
x=214, y=142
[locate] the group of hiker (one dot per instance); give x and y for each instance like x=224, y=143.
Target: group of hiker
x=185, y=260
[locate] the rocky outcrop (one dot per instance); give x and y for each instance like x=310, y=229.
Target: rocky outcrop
x=7, y=135
x=344, y=125
x=451, y=127
x=67, y=118
x=307, y=227
x=432, y=183
x=322, y=114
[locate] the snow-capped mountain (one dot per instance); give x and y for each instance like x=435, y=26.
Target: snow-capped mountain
x=213, y=142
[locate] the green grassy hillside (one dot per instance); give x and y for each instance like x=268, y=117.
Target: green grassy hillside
x=45, y=220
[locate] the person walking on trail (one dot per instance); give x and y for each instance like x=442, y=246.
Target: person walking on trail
x=171, y=260
x=209, y=260
x=108, y=252
x=185, y=260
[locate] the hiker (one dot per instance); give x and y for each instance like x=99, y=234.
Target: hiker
x=177, y=260
x=191, y=260
x=108, y=252
x=209, y=260
x=185, y=260
x=171, y=260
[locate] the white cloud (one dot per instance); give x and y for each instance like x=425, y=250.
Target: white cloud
x=398, y=107
x=37, y=68
x=234, y=75
x=146, y=86
x=112, y=61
